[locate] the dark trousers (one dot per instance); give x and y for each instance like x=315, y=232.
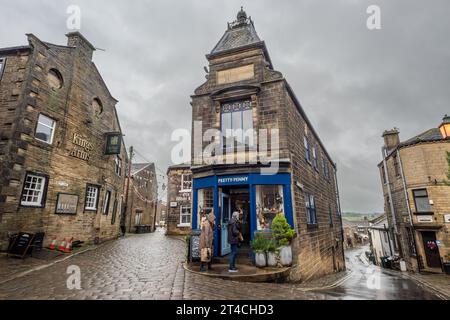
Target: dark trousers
x=234, y=249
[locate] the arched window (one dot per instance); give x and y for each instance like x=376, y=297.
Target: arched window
x=97, y=107
x=55, y=79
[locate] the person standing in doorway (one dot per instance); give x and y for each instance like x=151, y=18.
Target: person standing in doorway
x=234, y=235
x=207, y=241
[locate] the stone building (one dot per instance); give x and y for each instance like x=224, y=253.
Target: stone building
x=244, y=98
x=143, y=197
x=179, y=199
x=415, y=181
x=61, y=148
x=381, y=243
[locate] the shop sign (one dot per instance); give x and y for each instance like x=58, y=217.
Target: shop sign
x=66, y=204
x=83, y=147
x=425, y=219
x=232, y=180
x=113, y=143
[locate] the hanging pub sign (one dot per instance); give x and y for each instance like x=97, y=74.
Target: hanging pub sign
x=66, y=204
x=113, y=143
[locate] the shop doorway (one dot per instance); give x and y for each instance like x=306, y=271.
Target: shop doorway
x=431, y=249
x=234, y=199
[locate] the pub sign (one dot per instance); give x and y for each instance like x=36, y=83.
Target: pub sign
x=113, y=143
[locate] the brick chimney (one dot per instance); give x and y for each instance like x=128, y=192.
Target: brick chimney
x=391, y=138
x=76, y=39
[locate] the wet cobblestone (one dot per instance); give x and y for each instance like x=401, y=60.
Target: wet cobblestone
x=150, y=267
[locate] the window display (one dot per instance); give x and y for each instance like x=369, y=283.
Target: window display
x=205, y=203
x=269, y=203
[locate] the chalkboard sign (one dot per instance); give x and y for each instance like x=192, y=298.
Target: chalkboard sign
x=21, y=244
x=195, y=246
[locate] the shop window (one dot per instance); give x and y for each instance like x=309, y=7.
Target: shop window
x=34, y=190
x=269, y=203
x=237, y=124
x=45, y=129
x=186, y=182
x=205, y=198
x=2, y=67
x=421, y=200
x=185, y=215
x=311, y=214
x=91, y=201
x=106, y=202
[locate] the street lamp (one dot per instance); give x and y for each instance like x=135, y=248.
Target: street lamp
x=445, y=127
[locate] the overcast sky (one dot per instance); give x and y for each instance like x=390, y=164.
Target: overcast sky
x=352, y=82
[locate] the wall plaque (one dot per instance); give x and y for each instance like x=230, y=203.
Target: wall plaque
x=236, y=74
x=425, y=219
x=66, y=204
x=447, y=218
x=173, y=204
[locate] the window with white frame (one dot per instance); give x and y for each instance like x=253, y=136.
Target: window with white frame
x=307, y=150
x=2, y=66
x=186, y=182
x=45, y=129
x=106, y=202
x=118, y=166
x=311, y=215
x=314, y=155
x=237, y=124
x=33, y=190
x=185, y=215
x=91, y=202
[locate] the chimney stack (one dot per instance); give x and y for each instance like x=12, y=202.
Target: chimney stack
x=77, y=40
x=391, y=138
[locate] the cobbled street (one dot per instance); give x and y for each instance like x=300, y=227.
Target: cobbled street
x=150, y=267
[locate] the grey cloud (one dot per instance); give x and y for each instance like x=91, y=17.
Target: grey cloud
x=352, y=82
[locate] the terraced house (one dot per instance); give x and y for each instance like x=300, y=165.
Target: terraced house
x=415, y=176
x=61, y=152
x=245, y=94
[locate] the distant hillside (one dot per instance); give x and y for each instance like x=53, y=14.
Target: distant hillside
x=356, y=216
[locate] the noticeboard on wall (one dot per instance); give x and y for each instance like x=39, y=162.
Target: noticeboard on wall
x=66, y=203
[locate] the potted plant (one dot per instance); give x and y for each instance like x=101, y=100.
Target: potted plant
x=283, y=234
x=259, y=246
x=271, y=249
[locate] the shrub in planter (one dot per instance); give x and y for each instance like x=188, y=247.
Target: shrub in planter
x=259, y=246
x=271, y=253
x=283, y=234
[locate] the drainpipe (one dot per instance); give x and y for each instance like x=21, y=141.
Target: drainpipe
x=388, y=184
x=409, y=208
x=389, y=239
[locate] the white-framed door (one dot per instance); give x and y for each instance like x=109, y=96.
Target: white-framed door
x=225, y=216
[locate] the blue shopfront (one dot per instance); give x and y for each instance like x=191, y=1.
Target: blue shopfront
x=259, y=198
